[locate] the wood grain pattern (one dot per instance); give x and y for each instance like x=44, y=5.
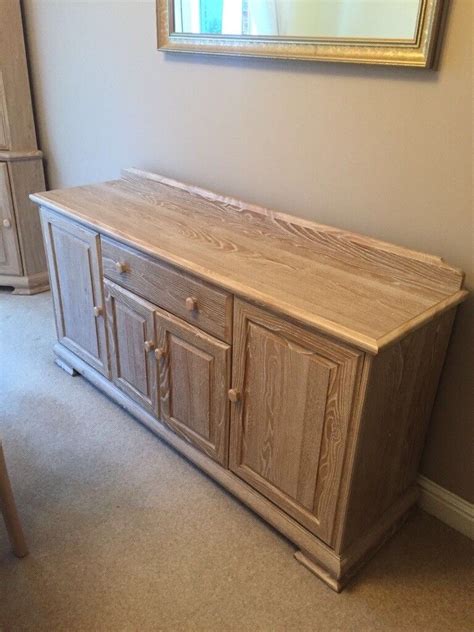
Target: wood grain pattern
x=288, y=431
x=130, y=325
x=10, y=258
x=4, y=129
x=398, y=400
x=194, y=377
x=169, y=288
x=354, y=288
x=9, y=510
x=236, y=486
x=20, y=157
x=335, y=567
x=17, y=110
x=26, y=176
x=76, y=282
x=325, y=438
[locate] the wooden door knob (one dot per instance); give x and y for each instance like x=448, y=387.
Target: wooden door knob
x=98, y=311
x=121, y=267
x=234, y=395
x=149, y=345
x=7, y=223
x=191, y=304
x=159, y=353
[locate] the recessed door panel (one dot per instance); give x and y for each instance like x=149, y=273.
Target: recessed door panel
x=73, y=260
x=194, y=376
x=290, y=419
x=131, y=333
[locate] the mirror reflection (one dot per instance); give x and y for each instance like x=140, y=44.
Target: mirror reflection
x=347, y=19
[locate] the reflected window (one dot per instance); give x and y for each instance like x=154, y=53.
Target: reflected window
x=374, y=19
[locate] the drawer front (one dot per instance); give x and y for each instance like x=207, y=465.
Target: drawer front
x=200, y=304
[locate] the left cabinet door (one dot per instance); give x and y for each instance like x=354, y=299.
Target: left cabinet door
x=131, y=332
x=76, y=281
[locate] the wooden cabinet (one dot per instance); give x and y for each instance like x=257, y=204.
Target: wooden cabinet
x=74, y=266
x=131, y=335
x=194, y=375
x=296, y=364
x=10, y=259
x=22, y=257
x=291, y=420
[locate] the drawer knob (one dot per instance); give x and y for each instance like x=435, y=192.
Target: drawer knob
x=191, y=304
x=121, y=267
x=160, y=353
x=7, y=223
x=234, y=395
x=98, y=311
x=149, y=345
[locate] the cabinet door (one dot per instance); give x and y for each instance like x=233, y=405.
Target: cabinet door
x=131, y=335
x=74, y=267
x=293, y=391
x=194, y=376
x=10, y=260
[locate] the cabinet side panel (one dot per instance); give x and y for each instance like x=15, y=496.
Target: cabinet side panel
x=400, y=394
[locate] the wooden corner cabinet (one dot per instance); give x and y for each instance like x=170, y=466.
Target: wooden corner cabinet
x=295, y=363
x=22, y=257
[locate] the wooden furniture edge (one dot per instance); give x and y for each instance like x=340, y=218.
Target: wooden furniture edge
x=334, y=569
x=364, y=549
x=360, y=341
x=422, y=319
x=328, y=327
x=14, y=156
x=9, y=511
x=33, y=284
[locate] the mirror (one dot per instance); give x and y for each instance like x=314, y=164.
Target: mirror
x=382, y=19
x=396, y=32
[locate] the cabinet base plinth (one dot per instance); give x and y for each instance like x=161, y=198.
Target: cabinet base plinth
x=319, y=571
x=28, y=285
x=65, y=366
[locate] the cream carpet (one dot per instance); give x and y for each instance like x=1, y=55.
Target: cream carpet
x=126, y=535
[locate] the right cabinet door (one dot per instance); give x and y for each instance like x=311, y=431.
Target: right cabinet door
x=293, y=393
x=194, y=376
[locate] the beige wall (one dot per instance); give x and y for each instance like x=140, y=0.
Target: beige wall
x=382, y=151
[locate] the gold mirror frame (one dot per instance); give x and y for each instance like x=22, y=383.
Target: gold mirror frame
x=417, y=52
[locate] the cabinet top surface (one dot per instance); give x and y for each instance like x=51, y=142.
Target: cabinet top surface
x=366, y=292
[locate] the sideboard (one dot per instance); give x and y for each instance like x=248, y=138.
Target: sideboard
x=295, y=363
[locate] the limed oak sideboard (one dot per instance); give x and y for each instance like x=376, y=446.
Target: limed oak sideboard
x=296, y=364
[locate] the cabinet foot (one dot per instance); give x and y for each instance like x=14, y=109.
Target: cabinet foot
x=33, y=284
x=319, y=571
x=65, y=366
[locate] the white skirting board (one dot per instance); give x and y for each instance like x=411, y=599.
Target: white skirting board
x=446, y=506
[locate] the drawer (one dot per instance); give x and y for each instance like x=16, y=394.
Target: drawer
x=198, y=303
